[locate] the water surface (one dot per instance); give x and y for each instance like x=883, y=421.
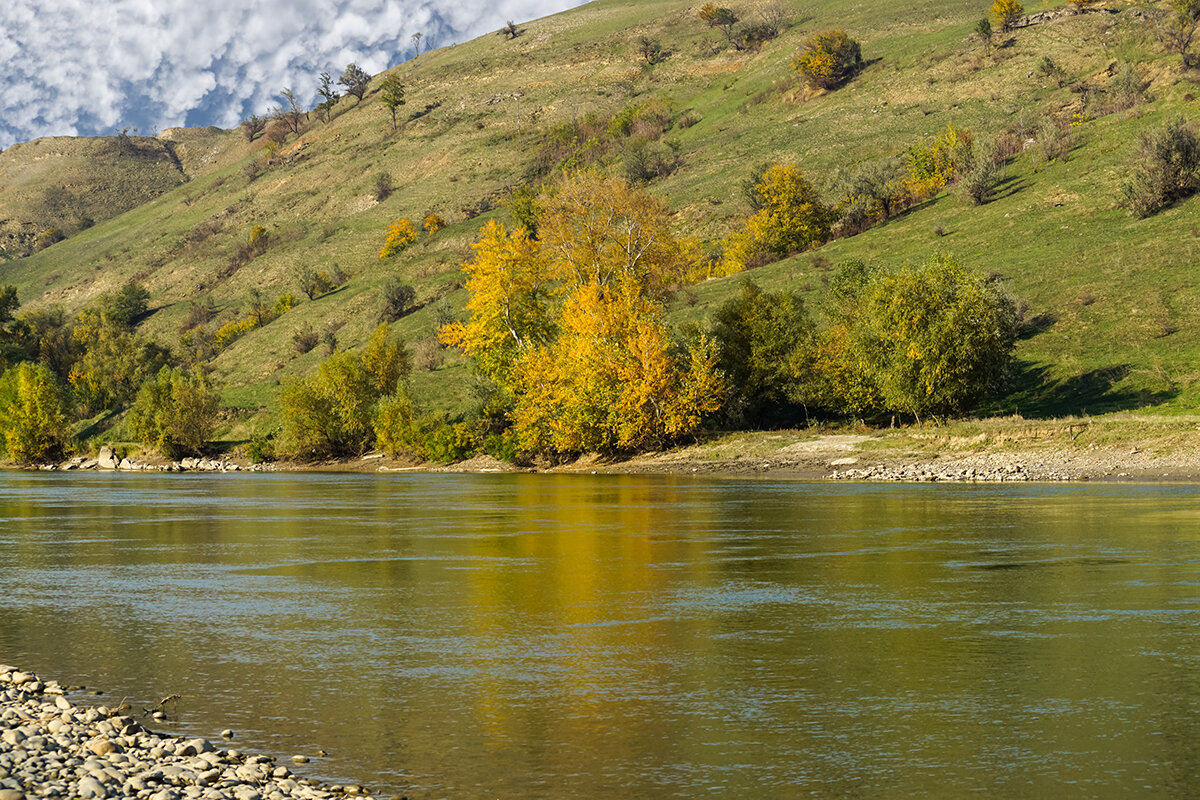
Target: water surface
x=603, y=636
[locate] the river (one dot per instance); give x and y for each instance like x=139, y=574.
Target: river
x=584, y=636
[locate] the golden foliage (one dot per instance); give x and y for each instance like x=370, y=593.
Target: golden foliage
x=401, y=235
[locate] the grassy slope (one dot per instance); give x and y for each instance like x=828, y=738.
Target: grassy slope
x=1119, y=291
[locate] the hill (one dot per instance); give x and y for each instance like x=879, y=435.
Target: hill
x=1111, y=299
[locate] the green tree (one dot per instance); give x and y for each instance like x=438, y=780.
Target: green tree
x=175, y=412
x=332, y=411
x=766, y=346
x=983, y=29
x=391, y=92
x=930, y=337
x=329, y=96
x=126, y=307
x=356, y=80
x=33, y=412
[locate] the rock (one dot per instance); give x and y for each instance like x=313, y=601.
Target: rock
x=843, y=462
x=227, y=734
x=20, y=678
x=126, y=464
x=300, y=759
x=107, y=458
x=103, y=747
x=63, y=703
x=90, y=787
x=11, y=794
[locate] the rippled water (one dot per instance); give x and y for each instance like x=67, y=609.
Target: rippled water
x=599, y=636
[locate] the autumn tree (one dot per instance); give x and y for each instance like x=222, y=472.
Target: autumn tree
x=391, y=92
x=401, y=235
x=1007, y=13
x=827, y=59
x=175, y=412
x=572, y=324
x=356, y=80
x=791, y=218
x=510, y=287
x=33, y=414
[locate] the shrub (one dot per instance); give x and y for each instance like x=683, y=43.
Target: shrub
x=48, y=237
x=127, y=306
x=33, y=411
x=428, y=355
x=175, y=412
x=935, y=164
x=313, y=283
x=332, y=411
x=305, y=339
x=401, y=235
x=395, y=429
x=792, y=218
x=1168, y=169
x=383, y=186
x=828, y=59
x=398, y=299
x=433, y=223
x=978, y=179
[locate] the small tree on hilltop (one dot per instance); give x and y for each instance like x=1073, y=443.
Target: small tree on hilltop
x=356, y=80
x=1007, y=13
x=292, y=114
x=252, y=126
x=391, y=92
x=828, y=58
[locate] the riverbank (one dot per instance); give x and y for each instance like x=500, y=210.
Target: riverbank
x=1117, y=447
x=53, y=748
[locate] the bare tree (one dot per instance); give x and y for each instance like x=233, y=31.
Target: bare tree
x=293, y=114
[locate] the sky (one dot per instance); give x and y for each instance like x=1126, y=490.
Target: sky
x=96, y=67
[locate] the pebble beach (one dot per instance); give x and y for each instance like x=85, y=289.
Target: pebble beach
x=53, y=748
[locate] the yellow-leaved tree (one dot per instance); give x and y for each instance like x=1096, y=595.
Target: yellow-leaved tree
x=571, y=325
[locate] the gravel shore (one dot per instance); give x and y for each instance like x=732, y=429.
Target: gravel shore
x=51, y=748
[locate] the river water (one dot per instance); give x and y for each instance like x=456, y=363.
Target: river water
x=531, y=636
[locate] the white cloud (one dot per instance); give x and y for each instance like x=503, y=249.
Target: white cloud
x=94, y=66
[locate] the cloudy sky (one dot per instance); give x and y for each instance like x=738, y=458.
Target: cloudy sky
x=86, y=67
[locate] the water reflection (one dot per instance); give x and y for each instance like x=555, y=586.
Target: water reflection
x=537, y=636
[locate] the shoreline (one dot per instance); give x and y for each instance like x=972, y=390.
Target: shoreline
x=53, y=748
x=1117, y=448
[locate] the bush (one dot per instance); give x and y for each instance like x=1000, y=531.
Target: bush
x=791, y=218
x=305, y=339
x=175, y=412
x=48, y=237
x=828, y=59
x=978, y=179
x=314, y=283
x=433, y=223
x=398, y=300
x=127, y=306
x=1007, y=13
x=383, y=186
x=33, y=411
x=1168, y=169
x=401, y=235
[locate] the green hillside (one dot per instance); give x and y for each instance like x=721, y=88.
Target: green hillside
x=1112, y=300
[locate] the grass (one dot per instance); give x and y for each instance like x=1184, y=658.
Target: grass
x=1114, y=299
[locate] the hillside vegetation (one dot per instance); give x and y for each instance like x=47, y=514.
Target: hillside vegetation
x=208, y=220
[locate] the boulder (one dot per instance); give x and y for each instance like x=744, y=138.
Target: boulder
x=107, y=458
